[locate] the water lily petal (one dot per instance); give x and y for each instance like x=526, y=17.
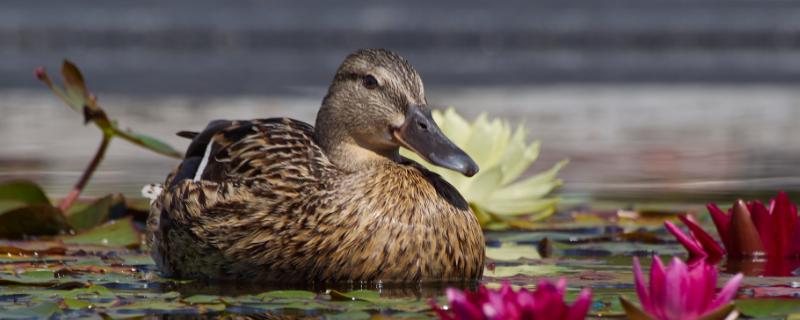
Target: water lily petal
x=658, y=288
x=691, y=245
x=580, y=307
x=540, y=178
x=701, y=288
x=746, y=241
x=455, y=127
x=461, y=306
x=549, y=303
x=677, y=290
x=521, y=207
x=711, y=247
x=517, y=192
x=722, y=222
x=728, y=292
x=763, y=222
x=483, y=185
x=641, y=289
x=518, y=155
x=784, y=223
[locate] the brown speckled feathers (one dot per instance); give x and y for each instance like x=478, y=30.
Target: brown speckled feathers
x=280, y=200
x=271, y=207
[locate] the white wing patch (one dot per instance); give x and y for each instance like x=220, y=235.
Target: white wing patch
x=204, y=162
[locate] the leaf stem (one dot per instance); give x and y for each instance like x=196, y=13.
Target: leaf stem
x=67, y=202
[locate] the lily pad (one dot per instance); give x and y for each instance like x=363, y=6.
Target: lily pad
x=34, y=219
x=512, y=252
x=288, y=294
x=524, y=270
x=97, y=212
x=44, y=310
x=767, y=307
x=115, y=233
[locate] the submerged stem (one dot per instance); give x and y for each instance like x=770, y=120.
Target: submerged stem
x=67, y=202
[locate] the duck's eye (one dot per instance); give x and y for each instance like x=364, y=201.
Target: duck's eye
x=370, y=82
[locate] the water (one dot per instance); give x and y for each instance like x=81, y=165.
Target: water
x=623, y=141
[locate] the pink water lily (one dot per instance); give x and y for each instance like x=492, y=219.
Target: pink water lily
x=698, y=242
x=681, y=292
x=746, y=230
x=546, y=302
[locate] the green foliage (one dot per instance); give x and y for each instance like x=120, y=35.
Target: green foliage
x=35, y=219
x=77, y=96
x=23, y=191
x=115, y=233
x=25, y=209
x=97, y=212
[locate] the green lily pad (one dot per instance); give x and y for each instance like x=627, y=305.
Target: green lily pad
x=759, y=308
x=538, y=270
x=512, y=252
x=358, y=295
x=96, y=213
x=202, y=299
x=34, y=219
x=288, y=294
x=44, y=310
x=115, y=233
x=350, y=315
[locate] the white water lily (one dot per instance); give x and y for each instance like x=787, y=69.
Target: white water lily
x=496, y=194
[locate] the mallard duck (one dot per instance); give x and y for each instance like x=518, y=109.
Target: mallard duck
x=279, y=200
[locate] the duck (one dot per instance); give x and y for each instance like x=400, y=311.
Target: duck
x=280, y=200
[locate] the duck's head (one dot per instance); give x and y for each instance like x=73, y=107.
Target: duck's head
x=377, y=104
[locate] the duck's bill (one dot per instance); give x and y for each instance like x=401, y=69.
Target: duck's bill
x=421, y=135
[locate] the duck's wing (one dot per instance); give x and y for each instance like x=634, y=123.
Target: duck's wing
x=281, y=151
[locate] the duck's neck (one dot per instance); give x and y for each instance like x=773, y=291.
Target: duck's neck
x=343, y=149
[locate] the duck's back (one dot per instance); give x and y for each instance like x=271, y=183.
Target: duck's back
x=259, y=200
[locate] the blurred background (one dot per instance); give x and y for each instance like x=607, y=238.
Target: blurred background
x=647, y=98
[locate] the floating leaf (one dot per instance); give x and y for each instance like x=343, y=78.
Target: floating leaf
x=43, y=310
x=524, y=270
x=512, y=252
x=97, y=212
x=202, y=298
x=288, y=294
x=350, y=315
x=35, y=219
x=767, y=307
x=115, y=233
x=358, y=295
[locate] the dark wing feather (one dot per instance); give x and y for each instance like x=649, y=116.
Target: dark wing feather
x=281, y=151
